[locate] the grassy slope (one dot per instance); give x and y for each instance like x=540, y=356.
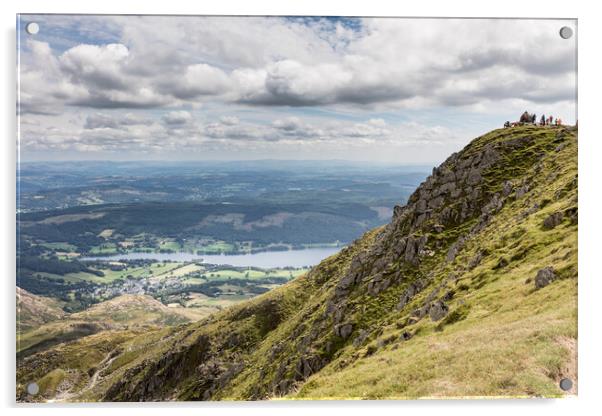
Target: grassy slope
x=33, y=310
x=511, y=339
x=122, y=312
x=501, y=337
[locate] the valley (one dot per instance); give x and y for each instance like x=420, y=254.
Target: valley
x=182, y=241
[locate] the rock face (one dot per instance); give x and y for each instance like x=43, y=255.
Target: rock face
x=544, y=277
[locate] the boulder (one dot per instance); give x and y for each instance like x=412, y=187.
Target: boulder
x=405, y=336
x=343, y=330
x=455, y=249
x=378, y=284
x=438, y=310
x=447, y=188
x=420, y=312
x=521, y=191
x=306, y=366
x=409, y=293
x=553, y=220
x=339, y=313
x=544, y=277
x=359, y=340
x=414, y=246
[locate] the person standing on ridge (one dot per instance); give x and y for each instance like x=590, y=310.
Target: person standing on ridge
x=542, y=122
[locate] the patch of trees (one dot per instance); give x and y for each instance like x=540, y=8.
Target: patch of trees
x=212, y=287
x=315, y=222
x=45, y=286
x=54, y=266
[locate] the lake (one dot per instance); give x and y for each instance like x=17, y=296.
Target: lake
x=265, y=260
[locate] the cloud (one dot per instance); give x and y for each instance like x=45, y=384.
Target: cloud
x=288, y=124
x=101, y=121
x=177, y=118
x=229, y=132
x=229, y=120
x=111, y=134
x=96, y=66
x=198, y=80
x=319, y=62
x=306, y=83
x=294, y=127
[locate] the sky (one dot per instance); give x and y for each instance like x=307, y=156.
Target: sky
x=394, y=90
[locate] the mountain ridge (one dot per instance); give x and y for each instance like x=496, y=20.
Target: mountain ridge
x=470, y=290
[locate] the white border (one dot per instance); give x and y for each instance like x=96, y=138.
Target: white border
x=590, y=290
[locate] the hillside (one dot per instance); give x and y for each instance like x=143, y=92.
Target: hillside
x=33, y=310
x=470, y=290
x=120, y=313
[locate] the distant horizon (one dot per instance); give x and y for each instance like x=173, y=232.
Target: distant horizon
x=166, y=161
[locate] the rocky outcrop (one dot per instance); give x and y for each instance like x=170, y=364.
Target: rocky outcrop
x=553, y=220
x=438, y=310
x=544, y=277
x=154, y=378
x=343, y=330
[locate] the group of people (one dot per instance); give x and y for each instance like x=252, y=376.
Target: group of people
x=550, y=121
x=527, y=118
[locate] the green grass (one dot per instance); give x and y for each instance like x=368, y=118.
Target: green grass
x=216, y=248
x=151, y=270
x=60, y=246
x=105, y=248
x=251, y=274
x=170, y=245
x=50, y=382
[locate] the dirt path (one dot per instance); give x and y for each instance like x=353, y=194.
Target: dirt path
x=104, y=364
x=67, y=395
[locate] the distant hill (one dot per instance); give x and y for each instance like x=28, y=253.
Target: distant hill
x=33, y=310
x=470, y=291
x=132, y=310
x=120, y=313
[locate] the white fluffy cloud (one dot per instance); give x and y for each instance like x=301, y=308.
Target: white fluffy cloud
x=141, y=82
x=176, y=118
x=441, y=62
